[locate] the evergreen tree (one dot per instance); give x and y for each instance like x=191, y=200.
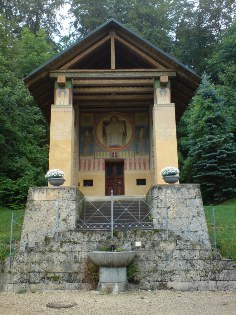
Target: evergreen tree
x=210, y=146
x=222, y=67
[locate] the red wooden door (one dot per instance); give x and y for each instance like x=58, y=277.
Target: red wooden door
x=114, y=177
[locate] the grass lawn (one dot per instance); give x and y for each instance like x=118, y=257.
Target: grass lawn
x=225, y=227
x=5, y=229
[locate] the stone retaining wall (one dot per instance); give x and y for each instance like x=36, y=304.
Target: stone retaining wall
x=180, y=259
x=171, y=264
x=41, y=213
x=183, y=204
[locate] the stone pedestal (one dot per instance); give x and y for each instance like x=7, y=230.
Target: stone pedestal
x=112, y=280
x=112, y=269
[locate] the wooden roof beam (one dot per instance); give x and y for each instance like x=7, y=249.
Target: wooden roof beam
x=119, y=97
x=91, y=105
x=113, y=90
x=113, y=74
x=125, y=82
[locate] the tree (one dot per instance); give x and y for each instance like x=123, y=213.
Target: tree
x=154, y=20
x=33, y=14
x=200, y=30
x=23, y=139
x=210, y=146
x=32, y=50
x=24, y=131
x=222, y=67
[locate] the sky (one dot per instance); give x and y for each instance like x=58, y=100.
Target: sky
x=65, y=19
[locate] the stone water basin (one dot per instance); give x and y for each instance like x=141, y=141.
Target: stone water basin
x=112, y=259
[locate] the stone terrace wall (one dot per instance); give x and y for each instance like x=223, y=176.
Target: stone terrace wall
x=41, y=213
x=171, y=264
x=186, y=216
x=181, y=259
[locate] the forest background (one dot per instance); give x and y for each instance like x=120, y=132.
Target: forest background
x=201, y=34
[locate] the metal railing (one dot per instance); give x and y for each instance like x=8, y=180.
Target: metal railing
x=116, y=213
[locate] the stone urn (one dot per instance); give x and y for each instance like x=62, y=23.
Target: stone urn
x=112, y=269
x=56, y=181
x=171, y=179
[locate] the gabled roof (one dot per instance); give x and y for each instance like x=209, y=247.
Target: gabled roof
x=132, y=52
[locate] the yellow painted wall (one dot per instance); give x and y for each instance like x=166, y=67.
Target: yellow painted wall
x=98, y=188
x=164, y=136
x=131, y=189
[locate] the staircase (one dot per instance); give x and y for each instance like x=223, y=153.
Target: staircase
x=128, y=213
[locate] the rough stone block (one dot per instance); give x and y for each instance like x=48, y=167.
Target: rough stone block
x=226, y=285
x=183, y=286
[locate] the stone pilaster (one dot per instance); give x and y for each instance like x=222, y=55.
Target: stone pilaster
x=62, y=132
x=164, y=130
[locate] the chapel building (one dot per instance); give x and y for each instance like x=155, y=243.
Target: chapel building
x=113, y=100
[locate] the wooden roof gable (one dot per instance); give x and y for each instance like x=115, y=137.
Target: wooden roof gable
x=112, y=47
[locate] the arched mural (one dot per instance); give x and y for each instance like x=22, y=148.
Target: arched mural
x=114, y=135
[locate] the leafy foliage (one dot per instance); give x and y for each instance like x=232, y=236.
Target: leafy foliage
x=23, y=141
x=154, y=20
x=23, y=133
x=33, y=14
x=188, y=29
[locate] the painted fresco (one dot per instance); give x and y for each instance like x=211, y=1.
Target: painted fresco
x=62, y=96
x=86, y=141
x=114, y=131
x=114, y=135
x=141, y=140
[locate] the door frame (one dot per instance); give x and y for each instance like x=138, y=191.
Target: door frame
x=123, y=176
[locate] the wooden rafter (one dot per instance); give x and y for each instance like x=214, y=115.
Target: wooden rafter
x=113, y=53
x=85, y=53
x=140, y=53
x=117, y=105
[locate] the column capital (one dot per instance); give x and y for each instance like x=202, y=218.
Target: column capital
x=164, y=105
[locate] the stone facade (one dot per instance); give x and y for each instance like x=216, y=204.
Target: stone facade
x=179, y=257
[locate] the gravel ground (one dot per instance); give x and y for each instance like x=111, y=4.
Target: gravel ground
x=139, y=302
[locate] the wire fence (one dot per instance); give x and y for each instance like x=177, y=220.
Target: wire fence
x=10, y=233
x=221, y=223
